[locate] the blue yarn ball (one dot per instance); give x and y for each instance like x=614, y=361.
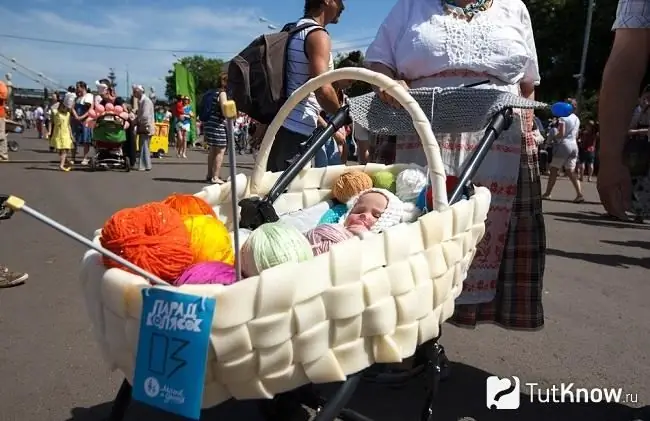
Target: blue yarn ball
x=333, y=214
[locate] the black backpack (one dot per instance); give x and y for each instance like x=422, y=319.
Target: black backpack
x=257, y=75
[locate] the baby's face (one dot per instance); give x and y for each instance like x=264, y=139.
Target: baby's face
x=366, y=212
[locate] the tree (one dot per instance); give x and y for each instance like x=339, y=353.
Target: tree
x=206, y=73
x=112, y=77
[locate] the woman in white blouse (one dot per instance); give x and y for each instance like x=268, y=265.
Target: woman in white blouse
x=443, y=43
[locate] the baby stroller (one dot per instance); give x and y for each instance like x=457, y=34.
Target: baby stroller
x=369, y=304
x=13, y=127
x=109, y=136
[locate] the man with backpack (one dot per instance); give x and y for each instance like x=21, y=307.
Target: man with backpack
x=301, y=51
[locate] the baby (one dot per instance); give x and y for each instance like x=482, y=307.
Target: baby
x=375, y=210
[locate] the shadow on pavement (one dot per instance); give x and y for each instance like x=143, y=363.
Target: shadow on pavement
x=463, y=395
x=180, y=180
x=594, y=219
x=631, y=243
x=614, y=260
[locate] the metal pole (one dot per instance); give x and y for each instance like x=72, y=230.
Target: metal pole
x=585, y=49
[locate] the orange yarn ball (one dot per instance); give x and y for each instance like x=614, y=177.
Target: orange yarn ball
x=151, y=236
x=188, y=204
x=350, y=184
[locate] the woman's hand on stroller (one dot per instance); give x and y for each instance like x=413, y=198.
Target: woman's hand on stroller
x=5, y=211
x=387, y=98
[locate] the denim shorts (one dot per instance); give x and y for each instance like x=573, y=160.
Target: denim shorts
x=82, y=135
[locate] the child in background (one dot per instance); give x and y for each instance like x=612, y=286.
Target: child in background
x=61, y=130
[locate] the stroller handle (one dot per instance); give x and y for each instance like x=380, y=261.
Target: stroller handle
x=393, y=88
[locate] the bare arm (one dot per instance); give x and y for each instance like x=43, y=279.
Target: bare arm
x=619, y=90
x=560, y=129
x=319, y=47
x=527, y=90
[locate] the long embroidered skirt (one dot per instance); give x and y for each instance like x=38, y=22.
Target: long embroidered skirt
x=504, y=284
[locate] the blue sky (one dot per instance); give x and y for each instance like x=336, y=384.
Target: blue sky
x=220, y=26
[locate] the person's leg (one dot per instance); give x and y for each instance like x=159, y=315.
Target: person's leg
x=561, y=154
x=212, y=151
x=589, y=165
x=86, y=139
x=62, y=160
x=10, y=279
x=145, y=153
x=285, y=147
x=4, y=152
x=571, y=165
x=219, y=152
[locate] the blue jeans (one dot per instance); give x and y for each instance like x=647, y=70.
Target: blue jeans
x=145, y=154
x=328, y=155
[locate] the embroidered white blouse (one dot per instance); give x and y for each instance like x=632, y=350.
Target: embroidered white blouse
x=419, y=39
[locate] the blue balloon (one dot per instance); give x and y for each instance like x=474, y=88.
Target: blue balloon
x=561, y=109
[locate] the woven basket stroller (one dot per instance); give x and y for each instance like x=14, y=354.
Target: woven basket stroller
x=321, y=321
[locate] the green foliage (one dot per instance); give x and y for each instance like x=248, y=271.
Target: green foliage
x=206, y=73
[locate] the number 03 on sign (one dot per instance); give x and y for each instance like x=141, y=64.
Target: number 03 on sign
x=172, y=351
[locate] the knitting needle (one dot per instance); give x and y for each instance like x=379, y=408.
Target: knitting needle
x=18, y=204
x=229, y=110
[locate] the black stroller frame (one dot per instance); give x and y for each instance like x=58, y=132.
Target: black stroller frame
x=429, y=359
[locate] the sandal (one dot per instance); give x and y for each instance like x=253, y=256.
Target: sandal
x=579, y=199
x=546, y=197
x=217, y=180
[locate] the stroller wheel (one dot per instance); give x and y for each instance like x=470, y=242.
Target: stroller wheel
x=127, y=164
x=13, y=146
x=93, y=164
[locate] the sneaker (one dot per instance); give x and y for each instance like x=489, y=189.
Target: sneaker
x=10, y=279
x=84, y=161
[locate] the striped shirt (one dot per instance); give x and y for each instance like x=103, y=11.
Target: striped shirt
x=215, y=128
x=304, y=117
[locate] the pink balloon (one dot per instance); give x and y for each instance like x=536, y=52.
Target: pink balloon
x=99, y=108
x=92, y=114
x=109, y=107
x=118, y=109
x=123, y=115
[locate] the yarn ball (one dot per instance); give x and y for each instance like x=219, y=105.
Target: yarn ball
x=208, y=273
x=323, y=236
x=272, y=244
x=188, y=204
x=209, y=239
x=350, y=184
x=409, y=184
x=384, y=180
x=151, y=236
x=333, y=214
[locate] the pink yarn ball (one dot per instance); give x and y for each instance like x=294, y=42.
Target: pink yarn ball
x=109, y=107
x=118, y=109
x=208, y=273
x=92, y=114
x=99, y=108
x=323, y=236
x=124, y=115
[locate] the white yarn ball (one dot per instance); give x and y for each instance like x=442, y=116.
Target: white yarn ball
x=409, y=183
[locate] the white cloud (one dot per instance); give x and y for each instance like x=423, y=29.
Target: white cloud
x=221, y=30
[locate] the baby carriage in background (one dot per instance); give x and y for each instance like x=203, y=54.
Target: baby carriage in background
x=371, y=306
x=109, y=135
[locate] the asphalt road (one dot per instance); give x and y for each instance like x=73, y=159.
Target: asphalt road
x=597, y=333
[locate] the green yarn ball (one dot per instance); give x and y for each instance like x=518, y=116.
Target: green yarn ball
x=273, y=244
x=384, y=180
